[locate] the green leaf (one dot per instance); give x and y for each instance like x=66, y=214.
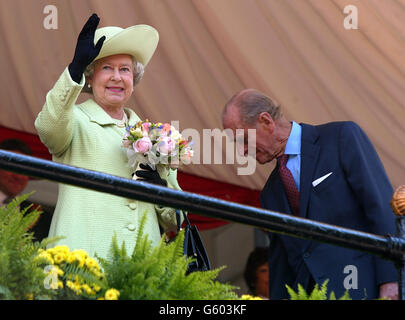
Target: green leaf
x=316, y=294
x=20, y=272
x=160, y=272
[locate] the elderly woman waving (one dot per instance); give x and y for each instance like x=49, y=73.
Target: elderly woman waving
x=108, y=62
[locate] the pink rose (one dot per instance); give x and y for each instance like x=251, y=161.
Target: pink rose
x=166, y=145
x=142, y=145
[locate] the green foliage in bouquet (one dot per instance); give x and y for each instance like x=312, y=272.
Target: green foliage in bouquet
x=21, y=276
x=160, y=272
x=316, y=294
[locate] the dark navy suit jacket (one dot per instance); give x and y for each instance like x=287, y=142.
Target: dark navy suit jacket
x=356, y=195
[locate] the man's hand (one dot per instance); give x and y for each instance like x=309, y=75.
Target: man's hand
x=85, y=51
x=389, y=290
x=149, y=175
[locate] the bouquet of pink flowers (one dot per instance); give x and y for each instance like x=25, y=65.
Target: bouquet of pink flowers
x=156, y=144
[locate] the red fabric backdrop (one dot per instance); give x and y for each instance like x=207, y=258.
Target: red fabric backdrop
x=187, y=181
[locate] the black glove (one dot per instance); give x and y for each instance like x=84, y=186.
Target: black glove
x=150, y=175
x=85, y=51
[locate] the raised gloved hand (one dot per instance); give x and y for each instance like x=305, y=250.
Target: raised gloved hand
x=150, y=175
x=85, y=51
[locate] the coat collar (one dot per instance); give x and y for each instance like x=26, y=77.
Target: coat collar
x=98, y=115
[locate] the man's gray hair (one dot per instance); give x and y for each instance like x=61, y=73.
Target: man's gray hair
x=138, y=74
x=251, y=103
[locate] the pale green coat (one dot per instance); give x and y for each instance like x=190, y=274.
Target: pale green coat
x=86, y=136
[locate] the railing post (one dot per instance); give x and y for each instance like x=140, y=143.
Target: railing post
x=398, y=205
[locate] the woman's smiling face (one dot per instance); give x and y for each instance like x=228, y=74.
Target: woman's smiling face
x=112, y=81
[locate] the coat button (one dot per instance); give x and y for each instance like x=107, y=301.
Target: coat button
x=131, y=227
x=307, y=255
x=132, y=205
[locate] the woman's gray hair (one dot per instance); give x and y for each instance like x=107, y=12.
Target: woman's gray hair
x=251, y=103
x=88, y=73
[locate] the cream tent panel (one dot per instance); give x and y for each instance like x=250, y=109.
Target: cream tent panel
x=297, y=51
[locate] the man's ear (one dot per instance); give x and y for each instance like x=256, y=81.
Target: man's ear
x=266, y=121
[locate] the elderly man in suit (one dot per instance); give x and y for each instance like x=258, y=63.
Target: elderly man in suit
x=329, y=173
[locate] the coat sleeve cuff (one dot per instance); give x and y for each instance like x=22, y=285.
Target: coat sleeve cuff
x=167, y=218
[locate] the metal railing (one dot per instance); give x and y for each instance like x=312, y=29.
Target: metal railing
x=387, y=247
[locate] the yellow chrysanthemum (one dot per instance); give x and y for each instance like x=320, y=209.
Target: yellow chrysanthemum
x=92, y=264
x=59, y=257
x=62, y=248
x=79, y=256
x=81, y=261
x=249, y=297
x=87, y=289
x=59, y=271
x=71, y=258
x=76, y=257
x=50, y=251
x=82, y=253
x=77, y=288
x=98, y=274
x=45, y=256
x=112, y=294
x=96, y=288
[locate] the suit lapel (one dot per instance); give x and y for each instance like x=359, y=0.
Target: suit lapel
x=309, y=159
x=273, y=196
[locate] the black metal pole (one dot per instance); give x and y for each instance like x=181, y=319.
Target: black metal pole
x=400, y=262
x=388, y=248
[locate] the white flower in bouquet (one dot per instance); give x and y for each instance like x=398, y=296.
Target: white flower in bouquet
x=156, y=144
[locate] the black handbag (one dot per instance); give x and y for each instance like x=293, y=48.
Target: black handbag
x=193, y=246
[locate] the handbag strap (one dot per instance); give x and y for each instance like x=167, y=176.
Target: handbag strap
x=178, y=219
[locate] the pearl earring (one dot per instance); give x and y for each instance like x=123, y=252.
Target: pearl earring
x=89, y=86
